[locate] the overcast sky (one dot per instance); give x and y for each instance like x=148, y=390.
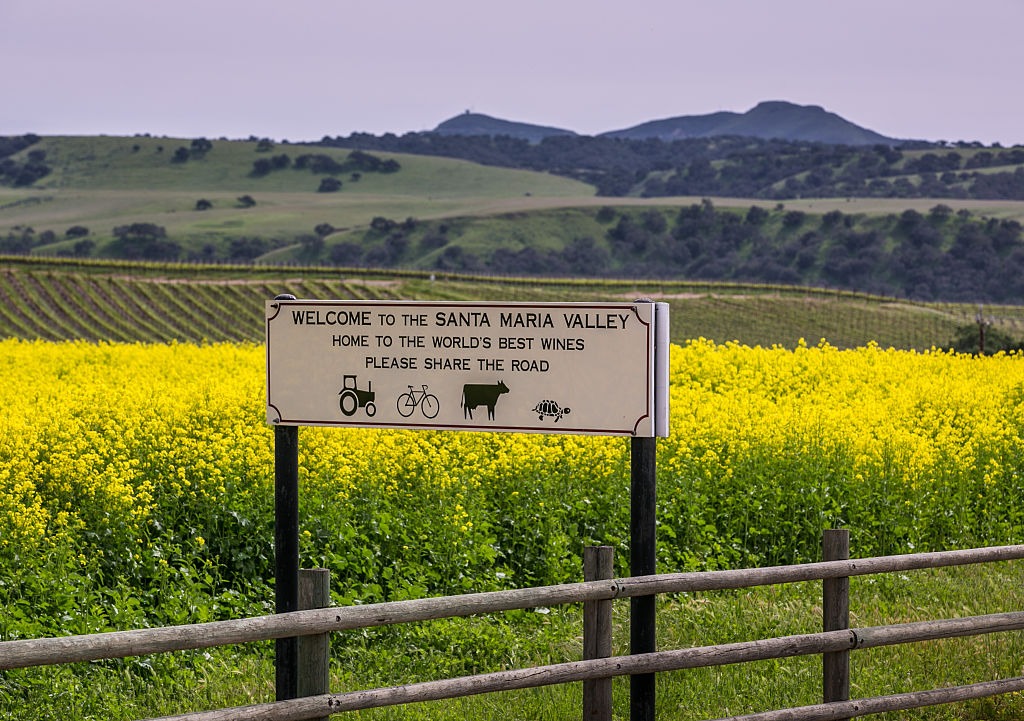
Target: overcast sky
x=302, y=69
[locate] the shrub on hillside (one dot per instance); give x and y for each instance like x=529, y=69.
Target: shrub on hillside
x=144, y=241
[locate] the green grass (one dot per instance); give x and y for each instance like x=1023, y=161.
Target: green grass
x=541, y=230
x=191, y=681
x=111, y=163
x=103, y=182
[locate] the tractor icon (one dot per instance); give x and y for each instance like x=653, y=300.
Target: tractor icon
x=351, y=398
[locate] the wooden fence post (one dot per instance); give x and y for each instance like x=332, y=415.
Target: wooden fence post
x=598, y=565
x=314, y=670
x=836, y=617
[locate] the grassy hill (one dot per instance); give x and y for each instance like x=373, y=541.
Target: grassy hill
x=101, y=183
x=466, y=217
x=118, y=163
x=126, y=302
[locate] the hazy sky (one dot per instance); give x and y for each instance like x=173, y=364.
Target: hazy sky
x=302, y=69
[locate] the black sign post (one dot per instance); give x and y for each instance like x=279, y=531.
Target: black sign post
x=286, y=551
x=286, y=554
x=642, y=557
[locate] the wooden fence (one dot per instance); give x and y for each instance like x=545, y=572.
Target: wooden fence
x=834, y=644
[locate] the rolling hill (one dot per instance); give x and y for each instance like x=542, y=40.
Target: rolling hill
x=100, y=184
x=163, y=199
x=768, y=120
x=479, y=124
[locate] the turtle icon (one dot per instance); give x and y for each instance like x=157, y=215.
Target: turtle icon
x=549, y=408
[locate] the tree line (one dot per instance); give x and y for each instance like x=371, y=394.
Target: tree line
x=941, y=255
x=357, y=163
x=731, y=166
x=23, y=173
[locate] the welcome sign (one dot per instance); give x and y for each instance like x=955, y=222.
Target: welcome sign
x=588, y=368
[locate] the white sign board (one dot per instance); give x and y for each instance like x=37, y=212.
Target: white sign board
x=587, y=368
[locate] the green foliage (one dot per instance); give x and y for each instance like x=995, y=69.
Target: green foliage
x=145, y=241
x=356, y=163
x=27, y=170
x=930, y=258
x=264, y=166
x=329, y=185
x=199, y=147
x=733, y=166
x=982, y=338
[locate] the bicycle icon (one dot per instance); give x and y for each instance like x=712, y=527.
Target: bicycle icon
x=411, y=399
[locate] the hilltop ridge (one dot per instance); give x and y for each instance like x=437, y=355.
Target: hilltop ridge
x=479, y=124
x=768, y=120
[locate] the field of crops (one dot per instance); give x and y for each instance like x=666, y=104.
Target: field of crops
x=144, y=462
x=118, y=301
x=136, y=482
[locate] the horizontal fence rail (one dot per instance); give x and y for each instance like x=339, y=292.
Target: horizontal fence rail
x=26, y=653
x=703, y=656
x=883, y=704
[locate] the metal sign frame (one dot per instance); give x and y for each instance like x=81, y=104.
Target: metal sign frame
x=581, y=368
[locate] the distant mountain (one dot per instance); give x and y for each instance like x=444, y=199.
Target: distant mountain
x=775, y=119
x=479, y=124
x=685, y=126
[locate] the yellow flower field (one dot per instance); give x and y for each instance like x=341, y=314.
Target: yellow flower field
x=144, y=465
x=902, y=447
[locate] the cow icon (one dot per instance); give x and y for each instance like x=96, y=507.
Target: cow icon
x=481, y=394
